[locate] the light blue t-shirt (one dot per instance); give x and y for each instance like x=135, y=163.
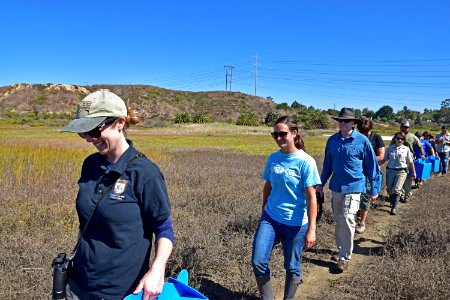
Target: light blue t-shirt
x=289, y=175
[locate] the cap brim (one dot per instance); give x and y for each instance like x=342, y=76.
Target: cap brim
x=83, y=124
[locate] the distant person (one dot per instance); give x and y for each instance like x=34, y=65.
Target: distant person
x=289, y=209
x=411, y=141
x=365, y=127
x=430, y=138
x=400, y=160
x=349, y=160
x=426, y=145
x=443, y=148
x=113, y=256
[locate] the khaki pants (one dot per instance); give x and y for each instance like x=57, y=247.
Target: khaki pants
x=344, y=210
x=395, y=181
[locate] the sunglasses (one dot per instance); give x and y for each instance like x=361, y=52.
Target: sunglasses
x=97, y=131
x=345, y=121
x=281, y=134
x=399, y=139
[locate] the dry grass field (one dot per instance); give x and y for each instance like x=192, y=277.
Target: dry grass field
x=213, y=177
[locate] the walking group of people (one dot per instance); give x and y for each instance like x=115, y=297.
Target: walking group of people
x=123, y=204
x=352, y=165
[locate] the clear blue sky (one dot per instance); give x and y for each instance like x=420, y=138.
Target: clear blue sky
x=326, y=54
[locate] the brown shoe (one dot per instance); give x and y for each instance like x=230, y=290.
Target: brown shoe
x=342, y=265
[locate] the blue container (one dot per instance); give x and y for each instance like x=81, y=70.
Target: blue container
x=423, y=168
x=174, y=289
x=435, y=163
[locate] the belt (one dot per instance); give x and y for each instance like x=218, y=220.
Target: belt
x=397, y=169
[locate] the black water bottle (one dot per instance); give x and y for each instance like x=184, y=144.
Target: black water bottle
x=59, y=265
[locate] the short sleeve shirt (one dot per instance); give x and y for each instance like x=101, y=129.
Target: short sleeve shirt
x=289, y=175
x=399, y=157
x=376, y=140
x=114, y=251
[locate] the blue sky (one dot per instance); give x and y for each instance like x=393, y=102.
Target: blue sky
x=327, y=54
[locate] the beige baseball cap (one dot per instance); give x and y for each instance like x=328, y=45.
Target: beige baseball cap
x=94, y=109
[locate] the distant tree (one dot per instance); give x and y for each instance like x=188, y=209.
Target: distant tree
x=282, y=105
x=296, y=104
x=269, y=98
x=357, y=112
x=368, y=113
x=418, y=120
x=384, y=112
x=332, y=112
x=445, y=103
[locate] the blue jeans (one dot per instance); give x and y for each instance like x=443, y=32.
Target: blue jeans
x=268, y=234
x=444, y=161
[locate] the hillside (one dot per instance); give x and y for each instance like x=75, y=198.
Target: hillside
x=152, y=102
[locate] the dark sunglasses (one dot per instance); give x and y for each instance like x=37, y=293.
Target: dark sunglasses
x=399, y=139
x=97, y=131
x=281, y=134
x=345, y=121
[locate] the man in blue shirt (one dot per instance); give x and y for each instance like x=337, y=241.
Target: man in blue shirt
x=349, y=160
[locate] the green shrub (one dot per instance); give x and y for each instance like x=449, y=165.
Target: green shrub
x=200, y=118
x=183, y=117
x=317, y=121
x=248, y=119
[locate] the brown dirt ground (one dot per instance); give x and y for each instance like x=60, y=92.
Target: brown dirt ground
x=321, y=281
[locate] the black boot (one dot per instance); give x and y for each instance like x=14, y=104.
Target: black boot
x=265, y=287
x=394, y=201
x=290, y=287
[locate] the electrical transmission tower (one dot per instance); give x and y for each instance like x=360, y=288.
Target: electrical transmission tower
x=256, y=70
x=228, y=74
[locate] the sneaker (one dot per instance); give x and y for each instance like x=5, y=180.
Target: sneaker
x=342, y=265
x=335, y=257
x=360, y=228
x=394, y=212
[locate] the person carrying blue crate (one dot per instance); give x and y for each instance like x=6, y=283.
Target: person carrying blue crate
x=427, y=150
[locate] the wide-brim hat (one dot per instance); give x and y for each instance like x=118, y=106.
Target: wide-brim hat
x=347, y=114
x=94, y=109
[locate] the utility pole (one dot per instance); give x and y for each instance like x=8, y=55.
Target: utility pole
x=256, y=70
x=228, y=74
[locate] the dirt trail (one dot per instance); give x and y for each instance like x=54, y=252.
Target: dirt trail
x=320, y=278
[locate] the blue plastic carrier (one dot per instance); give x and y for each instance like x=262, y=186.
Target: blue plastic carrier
x=423, y=168
x=174, y=289
x=435, y=163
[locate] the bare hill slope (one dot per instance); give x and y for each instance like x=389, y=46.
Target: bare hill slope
x=152, y=102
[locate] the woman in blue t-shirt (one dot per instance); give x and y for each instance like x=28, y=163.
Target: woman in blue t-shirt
x=289, y=209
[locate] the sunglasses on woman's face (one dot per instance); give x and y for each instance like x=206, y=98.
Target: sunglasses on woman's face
x=281, y=134
x=97, y=131
x=399, y=138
